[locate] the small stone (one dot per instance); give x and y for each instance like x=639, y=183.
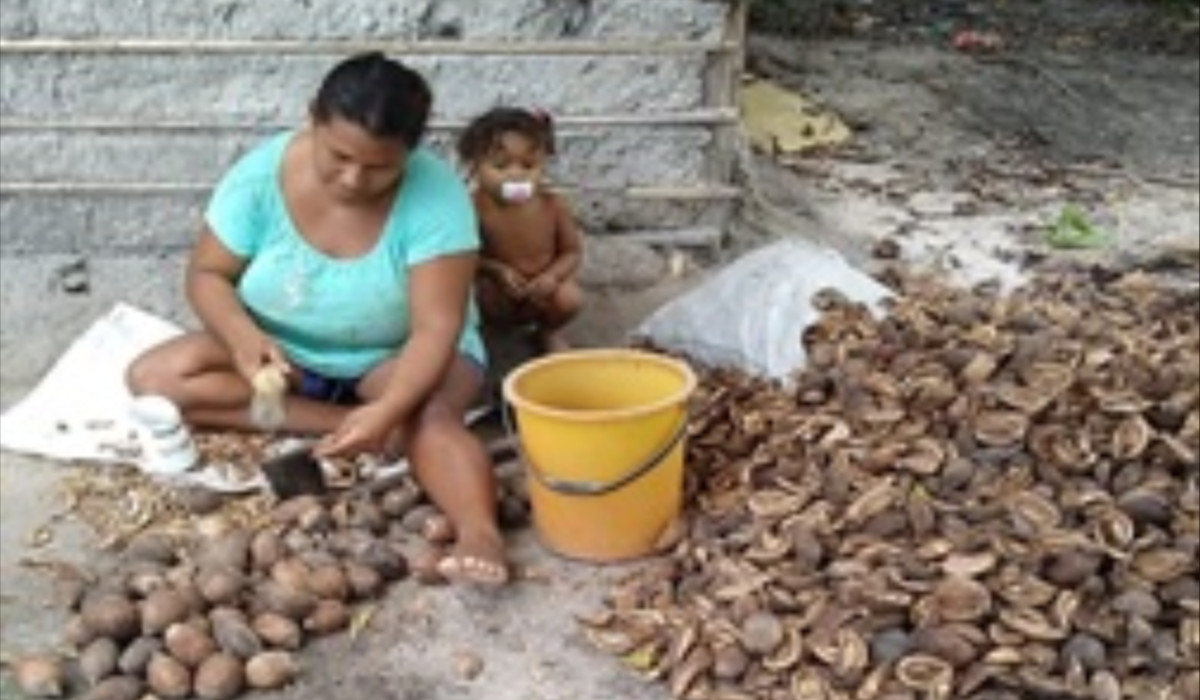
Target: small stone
x=198, y=500
x=886, y=249
x=467, y=665
x=938, y=204
x=889, y=645
x=1087, y=650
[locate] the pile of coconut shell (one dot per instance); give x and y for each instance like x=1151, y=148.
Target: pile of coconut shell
x=975, y=496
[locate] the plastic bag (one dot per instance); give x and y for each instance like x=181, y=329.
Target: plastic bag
x=752, y=314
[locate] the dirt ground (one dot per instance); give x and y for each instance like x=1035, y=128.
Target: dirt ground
x=959, y=161
x=963, y=158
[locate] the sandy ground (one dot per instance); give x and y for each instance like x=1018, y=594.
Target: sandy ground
x=958, y=160
x=963, y=162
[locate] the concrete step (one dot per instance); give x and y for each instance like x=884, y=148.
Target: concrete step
x=594, y=159
x=269, y=89
x=148, y=223
x=43, y=223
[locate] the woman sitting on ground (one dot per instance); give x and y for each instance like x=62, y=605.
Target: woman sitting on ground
x=343, y=254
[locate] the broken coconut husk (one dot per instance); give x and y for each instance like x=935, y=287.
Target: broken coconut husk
x=996, y=497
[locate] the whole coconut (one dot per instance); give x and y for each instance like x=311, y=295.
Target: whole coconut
x=188, y=644
x=220, y=677
x=116, y=688
x=111, y=615
x=278, y=631
x=39, y=675
x=168, y=678
x=99, y=659
x=163, y=608
x=270, y=670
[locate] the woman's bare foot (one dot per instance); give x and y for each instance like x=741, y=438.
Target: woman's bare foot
x=477, y=560
x=437, y=529
x=425, y=566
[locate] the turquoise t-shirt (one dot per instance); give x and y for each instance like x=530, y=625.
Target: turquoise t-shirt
x=340, y=317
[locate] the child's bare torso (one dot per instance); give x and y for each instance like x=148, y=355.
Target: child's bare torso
x=522, y=236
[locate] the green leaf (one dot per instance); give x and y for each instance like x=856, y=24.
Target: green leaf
x=642, y=659
x=1073, y=230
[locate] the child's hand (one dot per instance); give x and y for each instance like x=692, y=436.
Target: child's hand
x=514, y=283
x=542, y=287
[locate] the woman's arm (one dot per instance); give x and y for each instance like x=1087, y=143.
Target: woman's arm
x=212, y=275
x=439, y=290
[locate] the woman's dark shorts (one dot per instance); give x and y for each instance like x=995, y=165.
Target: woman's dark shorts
x=342, y=392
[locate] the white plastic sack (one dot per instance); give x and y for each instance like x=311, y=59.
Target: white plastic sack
x=78, y=411
x=753, y=313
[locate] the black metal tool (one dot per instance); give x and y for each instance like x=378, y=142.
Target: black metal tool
x=295, y=473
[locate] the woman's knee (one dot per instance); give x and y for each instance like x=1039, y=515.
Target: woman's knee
x=147, y=375
x=444, y=414
x=161, y=369
x=435, y=424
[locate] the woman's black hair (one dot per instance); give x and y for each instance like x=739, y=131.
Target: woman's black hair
x=484, y=131
x=379, y=94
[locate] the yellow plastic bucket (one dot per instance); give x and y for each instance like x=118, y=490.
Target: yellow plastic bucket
x=602, y=436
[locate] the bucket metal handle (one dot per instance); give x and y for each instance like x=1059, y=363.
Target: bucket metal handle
x=595, y=488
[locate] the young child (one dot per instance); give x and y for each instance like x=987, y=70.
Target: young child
x=531, y=245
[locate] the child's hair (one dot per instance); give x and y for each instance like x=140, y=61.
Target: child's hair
x=378, y=93
x=485, y=130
